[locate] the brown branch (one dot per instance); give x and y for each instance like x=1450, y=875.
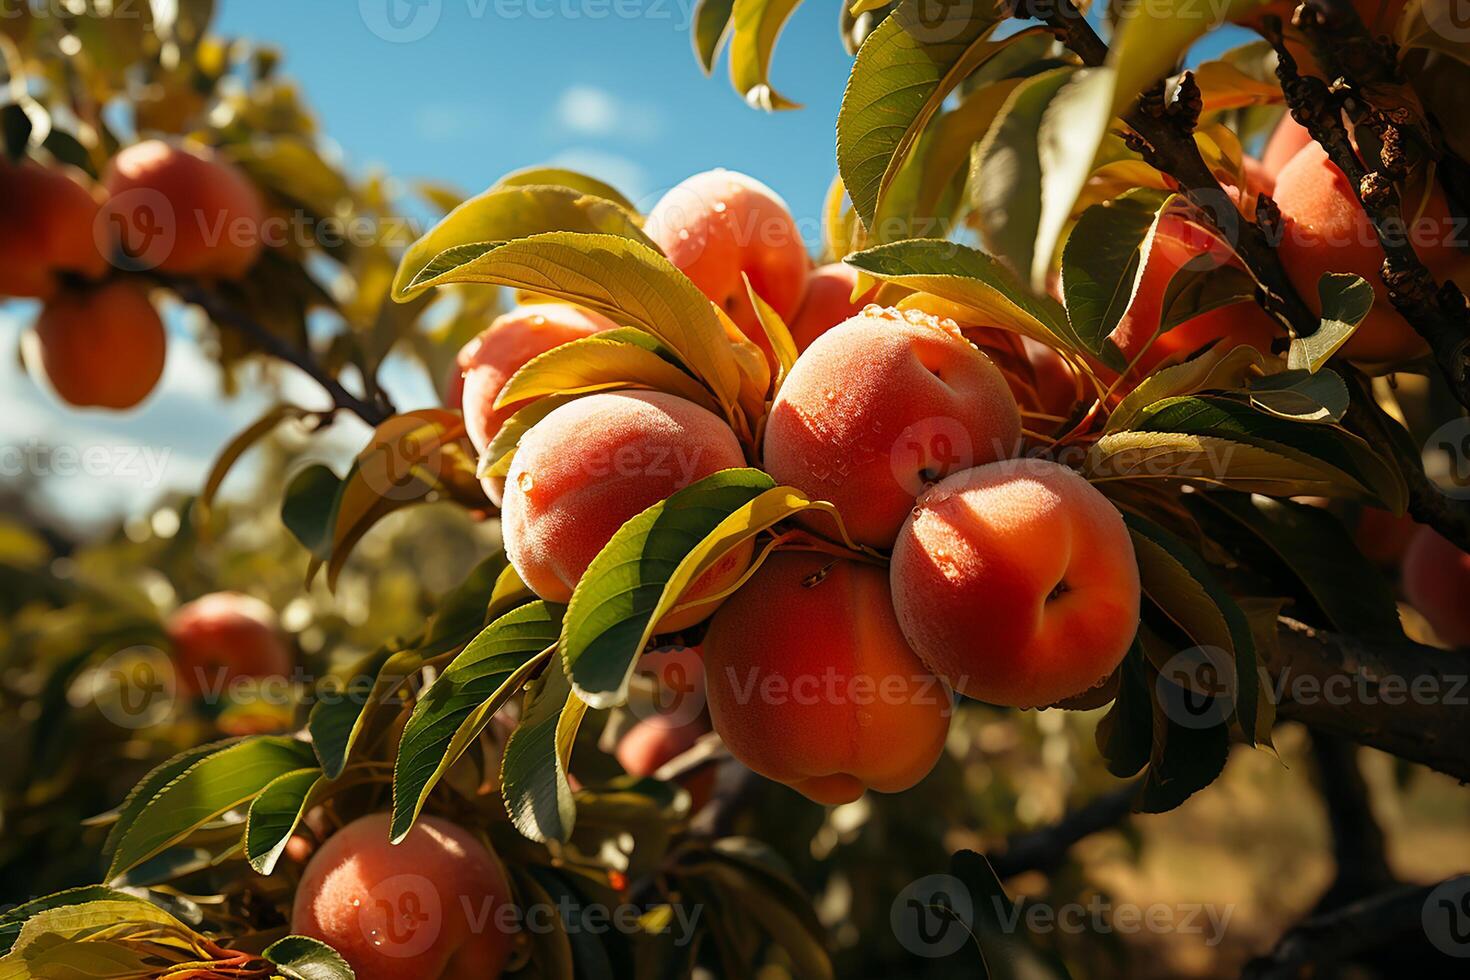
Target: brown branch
x=230, y=318
x=1165, y=137
x=1045, y=850
x=1438, y=313
x=1407, y=699
x=1358, y=846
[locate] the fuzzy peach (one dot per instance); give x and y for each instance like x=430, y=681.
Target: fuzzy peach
x=47, y=216
x=719, y=224
x=880, y=406
x=810, y=682
x=183, y=209
x=1016, y=583
x=651, y=744
x=829, y=301
x=593, y=463
x=1324, y=229
x=224, y=636
x=1285, y=142
x=427, y=908
x=102, y=347
x=1437, y=582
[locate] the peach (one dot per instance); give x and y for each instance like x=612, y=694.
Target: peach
x=102, y=347
x=184, y=210
x=1383, y=538
x=880, y=406
x=1324, y=229
x=719, y=224
x=224, y=636
x=1285, y=142
x=46, y=220
x=590, y=465
x=1179, y=243
x=1016, y=583
x=828, y=302
x=812, y=684
x=1436, y=582
x=651, y=744
x=427, y=908
x=486, y=363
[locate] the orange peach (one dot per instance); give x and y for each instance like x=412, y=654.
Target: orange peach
x=224, y=636
x=1324, y=229
x=427, y=908
x=1437, y=582
x=1285, y=142
x=828, y=302
x=880, y=406
x=47, y=216
x=593, y=463
x=719, y=224
x=1383, y=538
x=184, y=210
x=1179, y=243
x=102, y=347
x=811, y=683
x=1016, y=583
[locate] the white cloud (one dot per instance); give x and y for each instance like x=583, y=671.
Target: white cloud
x=587, y=110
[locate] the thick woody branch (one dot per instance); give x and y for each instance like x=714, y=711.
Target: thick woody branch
x=1046, y=849
x=1407, y=699
x=1165, y=137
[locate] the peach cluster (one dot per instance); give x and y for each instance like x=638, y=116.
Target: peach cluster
x=165, y=208
x=829, y=667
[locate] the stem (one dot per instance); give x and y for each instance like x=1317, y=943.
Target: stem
x=229, y=317
x=1045, y=850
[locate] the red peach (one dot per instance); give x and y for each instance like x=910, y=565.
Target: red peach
x=1437, y=583
x=102, y=347
x=47, y=216
x=828, y=302
x=223, y=636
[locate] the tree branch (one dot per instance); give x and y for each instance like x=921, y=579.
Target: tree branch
x=1407, y=699
x=1166, y=140
x=1438, y=313
x=1045, y=850
x=1358, y=847
x=228, y=317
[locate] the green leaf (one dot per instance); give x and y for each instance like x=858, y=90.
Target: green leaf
x=786, y=918
x=602, y=362
x=237, y=447
x=533, y=772
x=302, y=958
x=755, y=26
x=622, y=279
x=1178, y=581
x=337, y=722
x=973, y=279
x=462, y=612
x=1178, y=456
x=1184, y=761
x=1150, y=39
x=641, y=572
x=508, y=212
x=142, y=794
x=1300, y=396
x=309, y=507
x=711, y=24
x=211, y=786
x=274, y=814
x=13, y=919
x=778, y=335
x=1346, y=300
x=1125, y=733
x=1315, y=549
x=906, y=68
x=1104, y=259
x=453, y=711
x=1221, y=368
x=562, y=177
x=1005, y=952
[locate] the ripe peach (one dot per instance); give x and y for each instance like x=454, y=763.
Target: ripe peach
x=1383, y=538
x=1436, y=582
x=720, y=223
x=828, y=302
x=1286, y=141
x=811, y=683
x=1016, y=583
x=184, y=210
x=427, y=908
x=486, y=363
x=1324, y=229
x=46, y=220
x=1179, y=243
x=223, y=636
x=651, y=744
x=881, y=405
x=593, y=463
x=102, y=347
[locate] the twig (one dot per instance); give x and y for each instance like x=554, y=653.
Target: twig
x=1045, y=850
x=1165, y=137
x=1358, y=846
x=231, y=318
x=1438, y=313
